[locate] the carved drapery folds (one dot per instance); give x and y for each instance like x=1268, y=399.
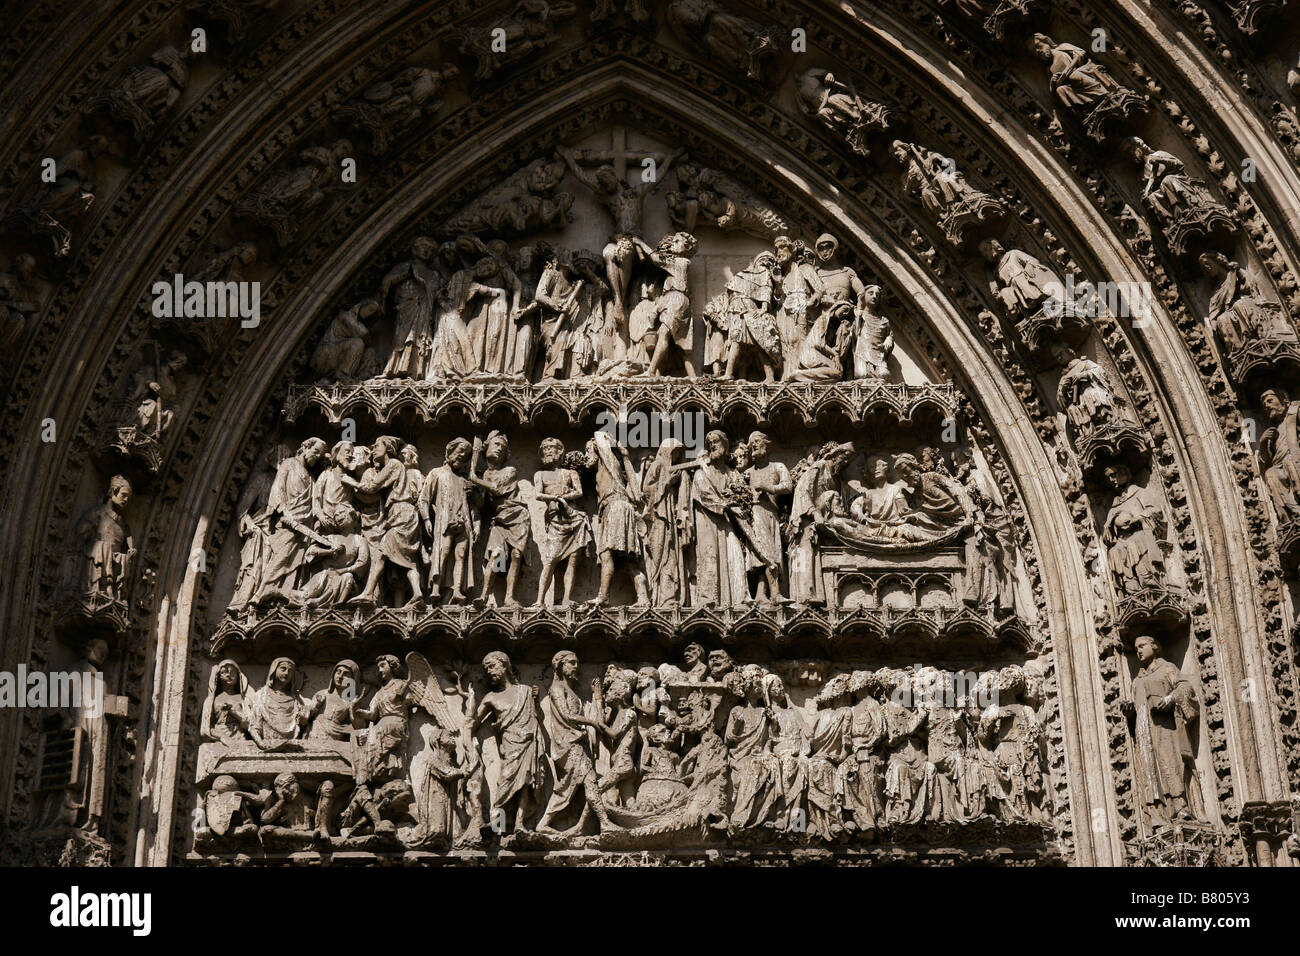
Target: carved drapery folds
x=433, y=759
x=729, y=344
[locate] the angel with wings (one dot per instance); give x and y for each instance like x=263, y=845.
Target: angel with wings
x=387, y=724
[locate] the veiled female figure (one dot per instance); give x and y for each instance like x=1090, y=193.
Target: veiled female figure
x=332, y=709
x=226, y=708
x=277, y=714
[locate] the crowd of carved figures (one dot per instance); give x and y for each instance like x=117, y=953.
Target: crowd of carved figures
x=710, y=745
x=470, y=309
x=321, y=525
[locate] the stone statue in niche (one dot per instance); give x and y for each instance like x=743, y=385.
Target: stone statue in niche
x=620, y=529
x=388, y=107
x=527, y=201
x=570, y=750
x=511, y=710
x=734, y=41
x=568, y=530
x=1091, y=404
x=1250, y=326
x=935, y=182
x=709, y=197
x=50, y=210
x=1182, y=205
x=1279, y=454
x=238, y=15
x=154, y=395
x=83, y=804
x=1032, y=294
x=1135, y=533
x=290, y=520
x=146, y=94
x=1163, y=706
x=510, y=524
x=1085, y=86
x=450, y=523
x=283, y=200
x=525, y=31
x=411, y=291
x=19, y=302
x=835, y=103
x=106, y=551
x=340, y=356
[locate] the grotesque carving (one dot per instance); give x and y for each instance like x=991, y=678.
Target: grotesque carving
x=1085, y=86
x=835, y=104
x=935, y=182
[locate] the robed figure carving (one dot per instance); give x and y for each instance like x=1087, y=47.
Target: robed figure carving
x=1162, y=708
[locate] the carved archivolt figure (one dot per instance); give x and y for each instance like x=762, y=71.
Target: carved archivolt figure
x=837, y=105
x=528, y=28
x=154, y=397
x=736, y=41
x=1084, y=85
x=51, y=209
x=1085, y=393
x=107, y=548
x=1279, y=454
x=18, y=300
x=1238, y=311
x=146, y=94
x=1135, y=535
x=1162, y=707
x=283, y=199
x=1183, y=204
x=1022, y=283
x=942, y=190
x=385, y=108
